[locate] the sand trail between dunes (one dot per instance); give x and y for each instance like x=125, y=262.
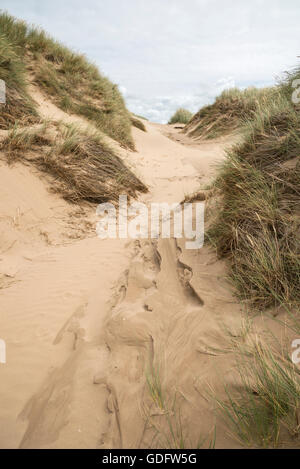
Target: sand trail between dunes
x=109, y=341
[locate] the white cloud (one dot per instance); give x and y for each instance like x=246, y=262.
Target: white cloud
x=160, y=108
x=123, y=90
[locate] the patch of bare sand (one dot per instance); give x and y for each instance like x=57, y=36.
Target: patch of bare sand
x=51, y=263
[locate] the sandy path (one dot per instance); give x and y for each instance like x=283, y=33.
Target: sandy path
x=170, y=320
x=85, y=320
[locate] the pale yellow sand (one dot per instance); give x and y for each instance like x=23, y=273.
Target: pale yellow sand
x=86, y=320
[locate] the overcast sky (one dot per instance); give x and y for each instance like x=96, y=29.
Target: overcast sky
x=169, y=53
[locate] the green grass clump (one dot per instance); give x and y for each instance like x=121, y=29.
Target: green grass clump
x=18, y=105
x=138, y=124
x=74, y=84
x=181, y=116
x=257, y=219
x=81, y=166
x=229, y=111
x=164, y=417
x=22, y=140
x=264, y=410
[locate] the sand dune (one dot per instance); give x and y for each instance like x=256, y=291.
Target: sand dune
x=91, y=325
x=83, y=319
x=165, y=340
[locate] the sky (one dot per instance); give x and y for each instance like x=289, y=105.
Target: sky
x=165, y=54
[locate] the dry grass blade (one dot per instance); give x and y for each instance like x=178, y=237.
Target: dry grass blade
x=82, y=167
x=181, y=116
x=138, y=124
x=257, y=218
x=228, y=112
x=264, y=411
x=73, y=83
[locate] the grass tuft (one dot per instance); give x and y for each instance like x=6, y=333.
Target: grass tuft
x=82, y=167
x=264, y=412
x=164, y=417
x=181, y=116
x=19, y=106
x=256, y=221
x=229, y=111
x=138, y=124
